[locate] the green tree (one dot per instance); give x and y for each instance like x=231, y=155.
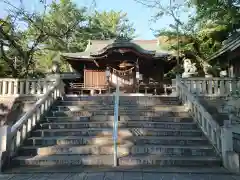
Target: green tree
x=23, y=44
x=97, y=25
x=197, y=45
x=109, y=25
x=66, y=19
x=202, y=34
x=223, y=12
x=60, y=27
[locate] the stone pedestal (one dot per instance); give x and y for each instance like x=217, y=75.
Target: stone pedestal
x=230, y=158
x=208, y=76
x=188, y=75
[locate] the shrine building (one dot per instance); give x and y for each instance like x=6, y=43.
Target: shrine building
x=137, y=66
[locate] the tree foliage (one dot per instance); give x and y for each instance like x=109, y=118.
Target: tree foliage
x=204, y=31
x=61, y=26
x=111, y=24
x=219, y=11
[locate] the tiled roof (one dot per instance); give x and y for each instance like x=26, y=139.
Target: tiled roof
x=94, y=47
x=230, y=45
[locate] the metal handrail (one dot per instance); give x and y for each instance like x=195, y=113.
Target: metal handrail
x=115, y=124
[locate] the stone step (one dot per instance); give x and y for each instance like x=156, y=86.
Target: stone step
x=121, y=109
x=200, y=161
x=103, y=118
x=125, y=132
x=58, y=160
x=124, y=106
x=123, y=149
x=109, y=124
x=121, y=98
x=137, y=140
x=121, y=103
x=30, y=170
x=111, y=113
x=98, y=107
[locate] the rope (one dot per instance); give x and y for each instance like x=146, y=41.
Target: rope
x=122, y=72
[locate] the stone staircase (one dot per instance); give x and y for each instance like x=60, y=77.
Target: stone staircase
x=153, y=131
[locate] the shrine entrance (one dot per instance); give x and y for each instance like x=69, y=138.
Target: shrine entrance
x=104, y=64
x=125, y=77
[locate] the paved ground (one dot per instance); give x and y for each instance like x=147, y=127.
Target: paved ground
x=118, y=176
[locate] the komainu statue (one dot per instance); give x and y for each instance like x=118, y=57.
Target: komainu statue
x=206, y=69
x=189, y=68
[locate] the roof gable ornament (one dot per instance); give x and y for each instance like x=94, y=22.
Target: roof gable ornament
x=122, y=38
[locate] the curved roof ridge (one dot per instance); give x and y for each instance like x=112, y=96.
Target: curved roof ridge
x=98, y=47
x=119, y=44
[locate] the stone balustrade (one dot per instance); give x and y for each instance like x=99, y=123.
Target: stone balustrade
x=215, y=86
x=12, y=137
x=236, y=140
x=220, y=137
x=23, y=87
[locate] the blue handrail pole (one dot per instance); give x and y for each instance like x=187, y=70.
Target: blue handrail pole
x=115, y=124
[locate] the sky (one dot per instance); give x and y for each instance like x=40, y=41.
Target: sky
x=139, y=15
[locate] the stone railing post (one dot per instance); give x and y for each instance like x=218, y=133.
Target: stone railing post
x=177, y=86
x=213, y=86
x=4, y=132
x=12, y=137
x=23, y=87
x=229, y=157
x=220, y=137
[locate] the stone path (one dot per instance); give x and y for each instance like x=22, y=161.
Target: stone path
x=118, y=176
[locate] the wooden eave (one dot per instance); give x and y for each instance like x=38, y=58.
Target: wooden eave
x=227, y=48
x=127, y=45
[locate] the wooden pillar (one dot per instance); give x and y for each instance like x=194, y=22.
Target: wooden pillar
x=137, y=75
x=84, y=76
x=230, y=70
x=161, y=75
x=165, y=89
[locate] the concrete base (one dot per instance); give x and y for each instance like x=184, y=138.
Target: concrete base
x=208, y=76
x=232, y=162
x=188, y=75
